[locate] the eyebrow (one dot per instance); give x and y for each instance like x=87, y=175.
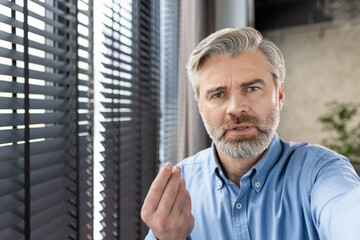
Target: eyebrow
x=255, y=81
x=214, y=90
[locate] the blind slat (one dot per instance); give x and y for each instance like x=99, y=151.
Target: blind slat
x=40, y=46
x=49, y=90
x=110, y=105
x=18, y=103
x=19, y=72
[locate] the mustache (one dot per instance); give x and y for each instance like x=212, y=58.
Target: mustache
x=244, y=118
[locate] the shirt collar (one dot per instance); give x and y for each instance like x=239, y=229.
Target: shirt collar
x=259, y=172
x=266, y=163
x=215, y=167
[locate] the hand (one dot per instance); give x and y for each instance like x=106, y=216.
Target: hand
x=167, y=206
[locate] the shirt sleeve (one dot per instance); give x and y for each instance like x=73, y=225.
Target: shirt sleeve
x=151, y=236
x=335, y=200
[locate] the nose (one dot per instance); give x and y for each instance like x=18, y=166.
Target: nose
x=237, y=105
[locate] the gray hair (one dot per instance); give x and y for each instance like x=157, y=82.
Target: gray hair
x=233, y=42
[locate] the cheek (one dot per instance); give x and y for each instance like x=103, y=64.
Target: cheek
x=270, y=103
x=262, y=109
x=213, y=115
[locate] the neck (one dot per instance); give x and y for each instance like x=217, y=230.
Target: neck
x=234, y=168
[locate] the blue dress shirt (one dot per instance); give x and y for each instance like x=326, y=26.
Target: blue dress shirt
x=295, y=191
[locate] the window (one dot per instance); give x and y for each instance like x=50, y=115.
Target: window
x=130, y=108
x=46, y=116
x=46, y=119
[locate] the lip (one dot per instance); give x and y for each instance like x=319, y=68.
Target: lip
x=235, y=132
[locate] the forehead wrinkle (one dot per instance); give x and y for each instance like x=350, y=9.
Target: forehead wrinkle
x=229, y=72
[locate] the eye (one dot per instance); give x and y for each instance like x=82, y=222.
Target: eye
x=218, y=95
x=252, y=89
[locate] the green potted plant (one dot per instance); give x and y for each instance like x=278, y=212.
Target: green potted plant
x=342, y=122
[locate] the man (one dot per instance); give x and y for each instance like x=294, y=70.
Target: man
x=250, y=184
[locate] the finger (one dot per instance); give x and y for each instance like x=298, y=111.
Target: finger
x=157, y=188
x=170, y=192
x=187, y=205
x=180, y=199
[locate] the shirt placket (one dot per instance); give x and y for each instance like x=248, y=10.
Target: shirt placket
x=239, y=213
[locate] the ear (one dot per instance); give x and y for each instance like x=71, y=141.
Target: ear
x=281, y=95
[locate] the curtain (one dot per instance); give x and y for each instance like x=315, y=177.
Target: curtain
x=131, y=82
x=196, y=22
x=46, y=119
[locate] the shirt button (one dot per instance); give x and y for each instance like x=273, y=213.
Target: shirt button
x=257, y=184
x=239, y=206
x=219, y=184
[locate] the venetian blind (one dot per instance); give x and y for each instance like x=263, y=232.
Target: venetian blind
x=169, y=80
x=46, y=119
x=131, y=82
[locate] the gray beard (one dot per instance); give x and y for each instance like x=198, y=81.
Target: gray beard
x=245, y=147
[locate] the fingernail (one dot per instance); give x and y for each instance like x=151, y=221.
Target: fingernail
x=168, y=165
x=177, y=168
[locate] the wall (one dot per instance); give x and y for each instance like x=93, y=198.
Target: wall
x=323, y=64
x=230, y=13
